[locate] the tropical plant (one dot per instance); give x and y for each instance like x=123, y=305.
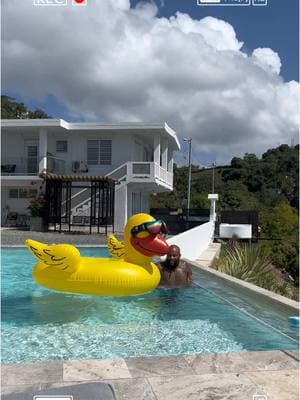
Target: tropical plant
x=246, y=262
x=252, y=264
x=37, y=207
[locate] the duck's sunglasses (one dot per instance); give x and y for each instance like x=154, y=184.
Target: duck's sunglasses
x=152, y=227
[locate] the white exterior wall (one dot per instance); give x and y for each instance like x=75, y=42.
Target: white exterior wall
x=13, y=145
x=120, y=211
x=194, y=241
x=15, y=205
x=144, y=145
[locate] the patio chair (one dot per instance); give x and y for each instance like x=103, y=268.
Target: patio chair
x=8, y=168
x=11, y=219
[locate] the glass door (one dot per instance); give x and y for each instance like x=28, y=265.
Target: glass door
x=31, y=151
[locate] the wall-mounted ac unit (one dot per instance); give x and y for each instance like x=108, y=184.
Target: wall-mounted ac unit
x=83, y=166
x=75, y=166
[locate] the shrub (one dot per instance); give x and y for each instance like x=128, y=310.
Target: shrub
x=37, y=207
x=251, y=264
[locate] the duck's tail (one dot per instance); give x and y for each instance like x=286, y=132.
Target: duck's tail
x=64, y=257
x=115, y=247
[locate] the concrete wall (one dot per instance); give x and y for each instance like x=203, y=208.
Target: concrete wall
x=120, y=214
x=194, y=241
x=124, y=147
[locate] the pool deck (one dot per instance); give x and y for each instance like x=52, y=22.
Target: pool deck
x=258, y=375
x=234, y=376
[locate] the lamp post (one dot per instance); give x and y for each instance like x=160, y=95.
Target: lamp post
x=213, y=177
x=189, y=141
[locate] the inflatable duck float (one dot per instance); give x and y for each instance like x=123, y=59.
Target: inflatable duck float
x=129, y=272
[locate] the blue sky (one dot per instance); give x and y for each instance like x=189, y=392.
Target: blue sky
x=227, y=77
x=275, y=25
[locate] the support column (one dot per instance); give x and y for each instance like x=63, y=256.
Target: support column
x=170, y=162
x=164, y=155
x=213, y=198
x=42, y=150
x=156, y=158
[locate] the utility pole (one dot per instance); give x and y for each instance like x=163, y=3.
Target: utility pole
x=189, y=141
x=213, y=177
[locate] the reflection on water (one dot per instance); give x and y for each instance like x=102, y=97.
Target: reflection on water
x=167, y=321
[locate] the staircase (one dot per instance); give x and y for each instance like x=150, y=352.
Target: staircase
x=81, y=201
x=136, y=171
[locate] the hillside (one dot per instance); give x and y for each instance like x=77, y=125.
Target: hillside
x=269, y=185
x=247, y=183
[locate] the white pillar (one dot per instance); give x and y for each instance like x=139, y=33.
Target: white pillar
x=42, y=150
x=170, y=161
x=156, y=157
x=213, y=198
x=164, y=155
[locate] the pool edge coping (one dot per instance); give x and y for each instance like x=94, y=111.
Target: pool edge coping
x=249, y=286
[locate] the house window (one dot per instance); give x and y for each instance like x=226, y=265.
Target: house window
x=61, y=146
x=22, y=193
x=99, y=152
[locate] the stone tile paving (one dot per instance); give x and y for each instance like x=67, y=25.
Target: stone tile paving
x=234, y=376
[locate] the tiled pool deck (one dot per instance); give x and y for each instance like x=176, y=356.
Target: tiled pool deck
x=230, y=376
x=234, y=376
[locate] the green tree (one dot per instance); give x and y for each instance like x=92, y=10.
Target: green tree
x=10, y=109
x=281, y=222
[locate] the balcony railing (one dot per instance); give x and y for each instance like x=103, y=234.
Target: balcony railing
x=31, y=166
x=56, y=165
x=142, y=171
x=19, y=166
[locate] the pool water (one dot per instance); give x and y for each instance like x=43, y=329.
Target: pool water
x=39, y=324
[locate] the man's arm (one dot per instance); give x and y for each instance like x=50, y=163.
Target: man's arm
x=188, y=271
x=189, y=275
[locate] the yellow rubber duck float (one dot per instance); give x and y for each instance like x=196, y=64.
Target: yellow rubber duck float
x=129, y=272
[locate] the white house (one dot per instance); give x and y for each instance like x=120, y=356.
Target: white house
x=138, y=155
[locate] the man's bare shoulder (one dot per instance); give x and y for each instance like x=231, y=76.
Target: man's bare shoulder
x=184, y=266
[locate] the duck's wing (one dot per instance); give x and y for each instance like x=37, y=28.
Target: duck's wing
x=115, y=247
x=64, y=257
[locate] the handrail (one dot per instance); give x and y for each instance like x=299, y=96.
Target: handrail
x=155, y=172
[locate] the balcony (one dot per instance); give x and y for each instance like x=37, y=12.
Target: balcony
x=22, y=166
x=137, y=172
x=19, y=166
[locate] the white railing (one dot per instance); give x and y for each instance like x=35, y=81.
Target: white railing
x=194, y=241
x=163, y=175
x=137, y=171
x=132, y=171
x=19, y=166
x=56, y=165
x=119, y=173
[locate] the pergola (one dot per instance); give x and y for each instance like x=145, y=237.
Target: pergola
x=81, y=201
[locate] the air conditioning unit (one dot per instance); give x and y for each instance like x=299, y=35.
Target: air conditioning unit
x=83, y=166
x=75, y=166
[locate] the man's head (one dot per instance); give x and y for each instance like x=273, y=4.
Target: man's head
x=173, y=256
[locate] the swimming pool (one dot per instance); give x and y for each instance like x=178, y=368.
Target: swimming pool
x=40, y=325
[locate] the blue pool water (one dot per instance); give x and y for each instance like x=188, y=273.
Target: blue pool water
x=39, y=324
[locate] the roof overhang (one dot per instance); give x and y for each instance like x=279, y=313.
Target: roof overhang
x=126, y=128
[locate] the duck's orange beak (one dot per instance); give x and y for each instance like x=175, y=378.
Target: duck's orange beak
x=151, y=245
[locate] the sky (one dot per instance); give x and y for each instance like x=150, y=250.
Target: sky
x=226, y=77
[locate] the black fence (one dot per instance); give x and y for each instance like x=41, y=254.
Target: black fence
x=176, y=219
x=240, y=217
x=60, y=203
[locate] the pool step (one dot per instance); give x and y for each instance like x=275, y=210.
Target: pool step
x=207, y=256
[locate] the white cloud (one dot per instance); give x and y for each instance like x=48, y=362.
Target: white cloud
x=111, y=63
x=267, y=59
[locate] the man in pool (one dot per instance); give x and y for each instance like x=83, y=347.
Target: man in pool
x=173, y=271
